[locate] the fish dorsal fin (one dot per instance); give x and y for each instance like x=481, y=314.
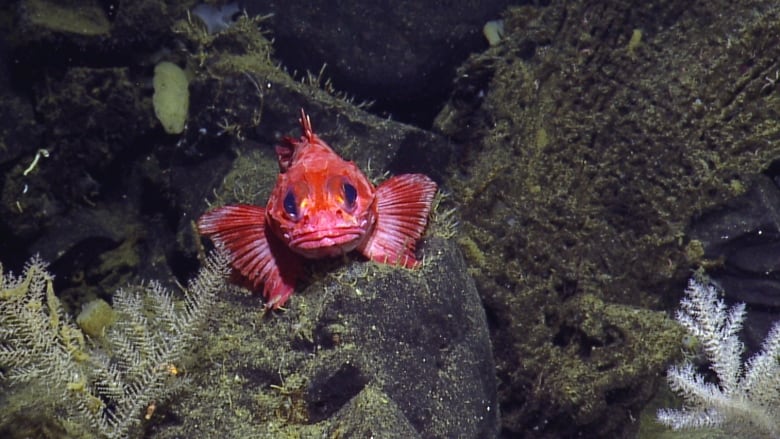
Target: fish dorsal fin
x=308, y=133
x=288, y=145
x=253, y=250
x=403, y=205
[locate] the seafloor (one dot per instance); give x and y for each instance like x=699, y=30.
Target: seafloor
x=587, y=161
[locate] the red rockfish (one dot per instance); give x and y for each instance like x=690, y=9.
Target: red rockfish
x=322, y=206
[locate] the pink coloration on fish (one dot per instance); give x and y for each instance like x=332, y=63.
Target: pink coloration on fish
x=321, y=206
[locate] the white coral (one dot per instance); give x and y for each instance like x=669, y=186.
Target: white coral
x=105, y=385
x=746, y=398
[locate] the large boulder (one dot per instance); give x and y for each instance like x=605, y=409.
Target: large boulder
x=365, y=348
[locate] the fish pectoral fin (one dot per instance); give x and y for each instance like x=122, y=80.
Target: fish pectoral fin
x=257, y=255
x=403, y=205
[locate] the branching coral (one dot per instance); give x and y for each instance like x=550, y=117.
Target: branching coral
x=746, y=398
x=105, y=385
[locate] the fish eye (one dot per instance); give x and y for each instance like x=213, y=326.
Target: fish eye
x=290, y=205
x=350, y=195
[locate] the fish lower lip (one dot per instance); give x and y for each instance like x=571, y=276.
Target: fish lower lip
x=330, y=238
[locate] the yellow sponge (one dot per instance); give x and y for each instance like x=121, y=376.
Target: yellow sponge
x=171, y=98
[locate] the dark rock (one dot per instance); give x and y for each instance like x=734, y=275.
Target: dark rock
x=373, y=143
x=742, y=237
x=402, y=54
x=745, y=230
x=409, y=345
x=424, y=338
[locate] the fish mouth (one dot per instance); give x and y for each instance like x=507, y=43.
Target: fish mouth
x=323, y=243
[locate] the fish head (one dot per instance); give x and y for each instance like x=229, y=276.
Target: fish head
x=322, y=205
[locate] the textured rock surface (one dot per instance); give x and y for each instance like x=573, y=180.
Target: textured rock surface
x=596, y=131
x=363, y=349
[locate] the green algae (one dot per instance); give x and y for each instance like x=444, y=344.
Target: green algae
x=588, y=156
x=83, y=17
